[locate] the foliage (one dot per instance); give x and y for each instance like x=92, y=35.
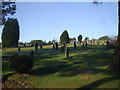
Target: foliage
x=8, y=8
x=64, y=38
x=72, y=40
x=10, y=34
x=104, y=38
x=80, y=38
x=50, y=43
x=36, y=41
x=86, y=39
x=21, y=63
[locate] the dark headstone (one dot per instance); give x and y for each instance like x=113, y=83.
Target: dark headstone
x=62, y=49
x=36, y=46
x=83, y=45
x=67, y=52
x=19, y=49
x=32, y=53
x=75, y=45
x=53, y=46
x=86, y=46
x=56, y=44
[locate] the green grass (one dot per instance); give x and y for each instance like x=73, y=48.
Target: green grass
x=52, y=70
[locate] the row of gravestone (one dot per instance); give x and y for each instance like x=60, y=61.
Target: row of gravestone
x=64, y=48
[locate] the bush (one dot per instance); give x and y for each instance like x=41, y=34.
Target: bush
x=21, y=63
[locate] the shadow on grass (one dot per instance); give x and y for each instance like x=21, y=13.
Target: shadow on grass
x=5, y=77
x=98, y=82
x=88, y=71
x=46, y=70
x=91, y=61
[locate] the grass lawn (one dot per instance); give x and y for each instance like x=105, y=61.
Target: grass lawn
x=83, y=69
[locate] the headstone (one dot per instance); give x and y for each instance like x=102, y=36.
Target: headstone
x=62, y=49
x=86, y=46
x=75, y=45
x=67, y=52
x=53, y=46
x=56, y=46
x=36, y=46
x=19, y=49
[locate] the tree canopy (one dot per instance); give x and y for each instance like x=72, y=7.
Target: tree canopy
x=6, y=8
x=104, y=38
x=64, y=38
x=86, y=39
x=80, y=38
x=36, y=41
x=10, y=34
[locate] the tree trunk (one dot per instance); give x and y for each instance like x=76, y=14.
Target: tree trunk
x=116, y=60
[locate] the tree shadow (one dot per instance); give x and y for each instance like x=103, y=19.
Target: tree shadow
x=98, y=82
x=90, y=61
x=46, y=70
x=5, y=77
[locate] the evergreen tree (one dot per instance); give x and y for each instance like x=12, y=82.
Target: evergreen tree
x=10, y=34
x=80, y=38
x=64, y=38
x=86, y=39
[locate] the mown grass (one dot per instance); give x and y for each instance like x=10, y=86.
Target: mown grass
x=83, y=69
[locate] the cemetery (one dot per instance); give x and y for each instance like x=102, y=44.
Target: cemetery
x=72, y=60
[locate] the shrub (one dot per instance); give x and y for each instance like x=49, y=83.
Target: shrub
x=21, y=63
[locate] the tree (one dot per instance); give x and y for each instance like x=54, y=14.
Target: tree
x=10, y=34
x=86, y=39
x=36, y=41
x=7, y=8
x=80, y=38
x=115, y=66
x=104, y=38
x=72, y=40
x=64, y=38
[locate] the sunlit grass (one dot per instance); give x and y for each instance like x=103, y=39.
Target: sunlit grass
x=52, y=70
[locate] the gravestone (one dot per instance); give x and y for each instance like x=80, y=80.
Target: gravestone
x=67, y=52
x=36, y=46
x=19, y=49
